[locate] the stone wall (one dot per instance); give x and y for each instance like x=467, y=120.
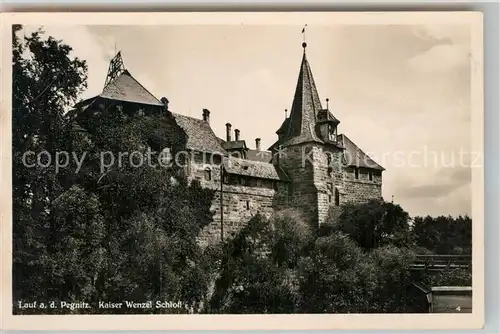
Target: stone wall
x=239, y=205
x=328, y=178
x=317, y=176
x=296, y=161
x=361, y=189
x=321, y=183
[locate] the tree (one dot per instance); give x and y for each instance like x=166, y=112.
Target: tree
x=329, y=278
x=444, y=235
x=126, y=233
x=389, y=273
x=339, y=277
x=451, y=277
x=257, y=266
x=46, y=79
x=275, y=265
x=375, y=224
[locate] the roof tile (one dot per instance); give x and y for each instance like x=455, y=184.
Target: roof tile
x=126, y=88
x=200, y=136
x=258, y=169
x=259, y=155
x=355, y=156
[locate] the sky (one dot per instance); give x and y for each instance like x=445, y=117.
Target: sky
x=401, y=92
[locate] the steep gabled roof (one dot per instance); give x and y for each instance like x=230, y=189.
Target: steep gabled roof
x=259, y=155
x=126, y=88
x=306, y=104
x=355, y=156
x=123, y=88
x=200, y=136
x=235, y=145
x=259, y=169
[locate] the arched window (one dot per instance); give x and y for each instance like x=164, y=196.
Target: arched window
x=337, y=197
x=208, y=174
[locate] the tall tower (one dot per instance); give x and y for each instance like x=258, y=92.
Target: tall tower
x=309, y=151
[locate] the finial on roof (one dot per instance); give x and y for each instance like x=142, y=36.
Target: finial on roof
x=304, y=44
x=286, y=113
x=327, y=100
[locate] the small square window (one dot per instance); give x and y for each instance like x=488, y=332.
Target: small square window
x=248, y=205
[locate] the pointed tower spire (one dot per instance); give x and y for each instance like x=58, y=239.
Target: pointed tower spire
x=116, y=68
x=306, y=104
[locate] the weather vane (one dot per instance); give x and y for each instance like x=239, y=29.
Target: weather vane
x=304, y=44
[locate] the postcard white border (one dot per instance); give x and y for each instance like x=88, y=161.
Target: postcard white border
x=243, y=322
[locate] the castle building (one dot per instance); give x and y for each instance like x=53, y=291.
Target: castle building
x=310, y=167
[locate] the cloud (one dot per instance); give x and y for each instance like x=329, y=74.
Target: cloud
x=430, y=191
x=394, y=88
x=458, y=34
x=441, y=58
x=443, y=183
x=461, y=175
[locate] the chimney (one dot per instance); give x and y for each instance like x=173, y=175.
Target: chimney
x=228, y=131
x=206, y=115
x=257, y=144
x=165, y=101
x=236, y=134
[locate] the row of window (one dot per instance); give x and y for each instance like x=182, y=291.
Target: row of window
x=242, y=180
x=370, y=174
